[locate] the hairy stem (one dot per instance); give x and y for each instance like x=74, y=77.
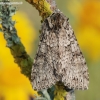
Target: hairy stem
x=13, y=42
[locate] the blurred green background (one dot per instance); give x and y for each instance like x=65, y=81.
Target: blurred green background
x=84, y=17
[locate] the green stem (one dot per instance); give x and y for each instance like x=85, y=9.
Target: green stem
x=13, y=42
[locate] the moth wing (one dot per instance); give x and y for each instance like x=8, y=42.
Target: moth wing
x=43, y=69
x=72, y=64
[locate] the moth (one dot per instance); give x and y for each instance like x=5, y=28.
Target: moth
x=59, y=57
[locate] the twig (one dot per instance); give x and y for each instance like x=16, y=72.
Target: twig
x=42, y=6
x=13, y=42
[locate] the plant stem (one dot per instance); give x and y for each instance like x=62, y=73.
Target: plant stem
x=42, y=6
x=13, y=42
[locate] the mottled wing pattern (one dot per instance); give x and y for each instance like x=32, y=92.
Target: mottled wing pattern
x=43, y=75
x=59, y=57
x=72, y=64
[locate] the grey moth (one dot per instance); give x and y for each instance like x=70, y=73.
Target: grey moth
x=59, y=57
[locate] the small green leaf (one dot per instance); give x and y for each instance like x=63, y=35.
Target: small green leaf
x=5, y=25
x=12, y=13
x=13, y=23
x=11, y=28
x=9, y=43
x=15, y=39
